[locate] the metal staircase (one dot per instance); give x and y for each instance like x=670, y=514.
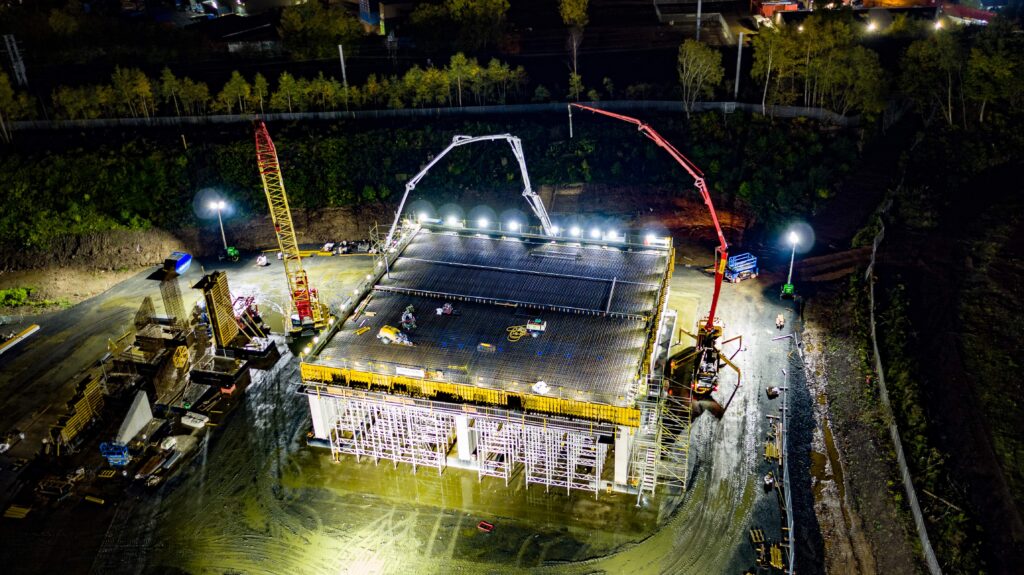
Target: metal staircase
x=662, y=447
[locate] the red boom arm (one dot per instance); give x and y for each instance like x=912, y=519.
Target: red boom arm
x=722, y=251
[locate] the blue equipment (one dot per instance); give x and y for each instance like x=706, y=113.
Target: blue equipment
x=741, y=267
x=116, y=453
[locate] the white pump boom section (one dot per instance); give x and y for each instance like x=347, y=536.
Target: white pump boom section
x=517, y=150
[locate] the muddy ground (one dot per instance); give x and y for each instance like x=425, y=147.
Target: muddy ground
x=259, y=501
x=65, y=286
x=855, y=479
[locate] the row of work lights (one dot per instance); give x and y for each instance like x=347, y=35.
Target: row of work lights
x=595, y=233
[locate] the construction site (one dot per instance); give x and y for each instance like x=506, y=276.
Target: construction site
x=550, y=364
x=522, y=350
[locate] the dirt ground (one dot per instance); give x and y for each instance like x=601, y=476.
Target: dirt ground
x=855, y=481
x=66, y=286
x=278, y=504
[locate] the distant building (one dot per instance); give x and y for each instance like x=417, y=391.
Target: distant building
x=768, y=8
x=378, y=15
x=966, y=15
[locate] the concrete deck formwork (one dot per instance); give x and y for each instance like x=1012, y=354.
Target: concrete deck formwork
x=465, y=393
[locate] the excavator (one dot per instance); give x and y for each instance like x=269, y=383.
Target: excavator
x=706, y=355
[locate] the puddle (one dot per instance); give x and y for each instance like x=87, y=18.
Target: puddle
x=837, y=468
x=831, y=472
x=818, y=472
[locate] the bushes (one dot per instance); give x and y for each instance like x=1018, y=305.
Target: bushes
x=14, y=297
x=18, y=297
x=955, y=535
x=152, y=182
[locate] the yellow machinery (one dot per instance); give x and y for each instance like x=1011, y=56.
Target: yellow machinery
x=390, y=334
x=309, y=314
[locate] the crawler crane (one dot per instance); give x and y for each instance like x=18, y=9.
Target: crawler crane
x=708, y=359
x=307, y=314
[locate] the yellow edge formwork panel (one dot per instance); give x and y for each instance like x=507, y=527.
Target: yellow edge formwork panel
x=658, y=309
x=627, y=416
x=86, y=407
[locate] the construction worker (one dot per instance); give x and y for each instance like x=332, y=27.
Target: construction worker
x=780, y=321
x=409, y=318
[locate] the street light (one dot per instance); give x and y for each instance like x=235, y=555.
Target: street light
x=872, y=26
x=787, y=289
x=482, y=223
x=513, y=226
x=575, y=231
x=219, y=205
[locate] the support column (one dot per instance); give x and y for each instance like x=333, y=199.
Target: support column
x=623, y=437
x=316, y=412
x=465, y=440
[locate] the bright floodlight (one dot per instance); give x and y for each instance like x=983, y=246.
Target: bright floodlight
x=595, y=233
x=451, y=220
x=483, y=223
x=613, y=235
x=555, y=230
x=872, y=26
x=938, y=24
x=218, y=205
x=793, y=238
x=574, y=232
x=649, y=238
x=800, y=28
x=421, y=216
x=514, y=226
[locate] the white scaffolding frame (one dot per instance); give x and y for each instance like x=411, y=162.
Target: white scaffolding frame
x=661, y=450
x=498, y=444
x=550, y=451
x=397, y=433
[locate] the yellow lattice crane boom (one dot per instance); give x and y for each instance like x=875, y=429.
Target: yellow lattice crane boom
x=308, y=312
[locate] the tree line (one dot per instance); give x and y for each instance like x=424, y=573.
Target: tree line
x=955, y=73
x=958, y=75
x=150, y=181
x=131, y=93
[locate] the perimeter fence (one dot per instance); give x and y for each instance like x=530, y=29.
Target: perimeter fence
x=908, y=485
x=673, y=106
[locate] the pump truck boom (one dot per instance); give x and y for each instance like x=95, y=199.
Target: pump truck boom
x=517, y=150
x=709, y=329
x=308, y=313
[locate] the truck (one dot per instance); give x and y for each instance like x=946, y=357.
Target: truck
x=741, y=267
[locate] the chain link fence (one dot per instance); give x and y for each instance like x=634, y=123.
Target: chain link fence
x=671, y=106
x=894, y=432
